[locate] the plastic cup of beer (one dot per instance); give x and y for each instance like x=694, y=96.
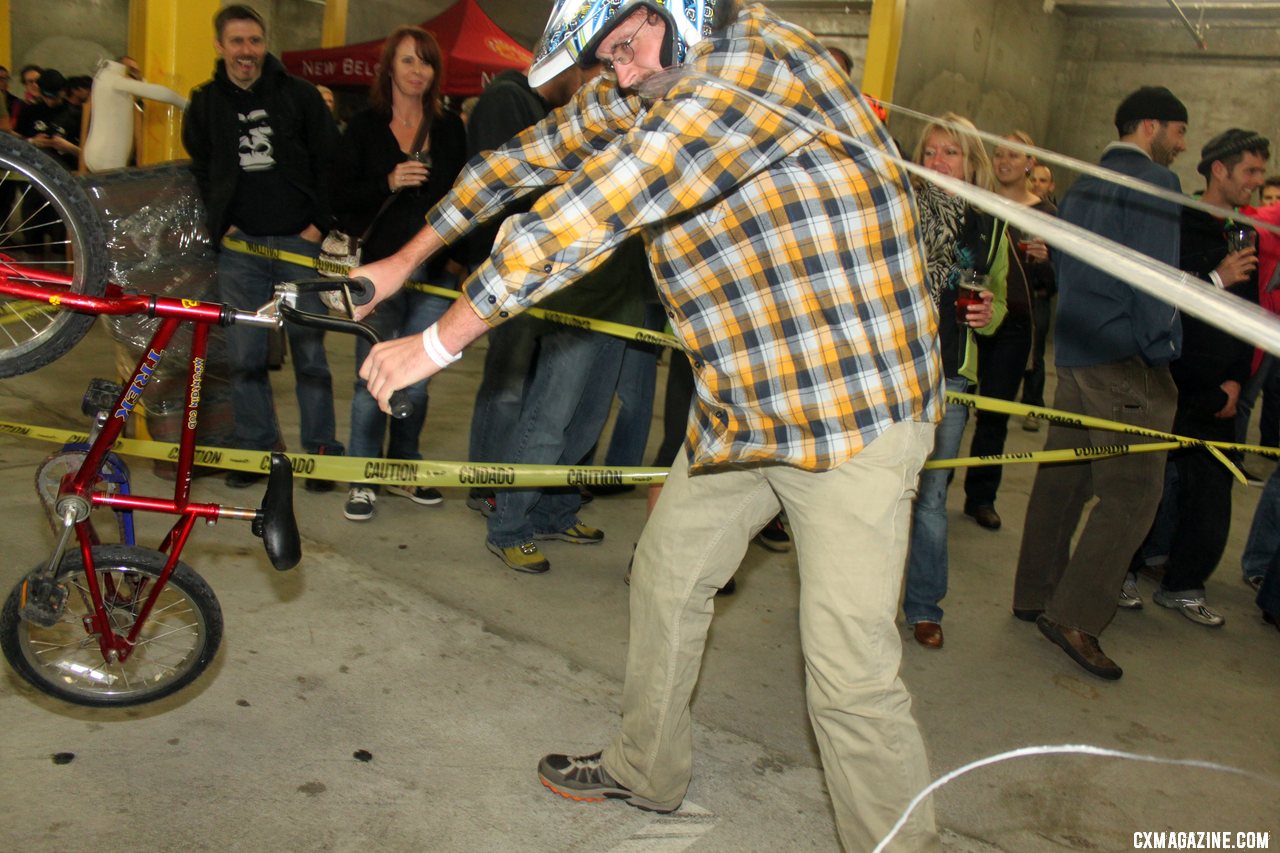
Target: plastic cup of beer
x=1241, y=237
x=969, y=292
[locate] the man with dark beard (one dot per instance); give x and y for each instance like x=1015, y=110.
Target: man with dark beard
x=1113, y=346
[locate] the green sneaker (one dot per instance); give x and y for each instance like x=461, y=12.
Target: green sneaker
x=523, y=557
x=579, y=534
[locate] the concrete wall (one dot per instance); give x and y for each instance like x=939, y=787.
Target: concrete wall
x=375, y=18
x=994, y=61
x=842, y=25
x=69, y=35
x=1235, y=83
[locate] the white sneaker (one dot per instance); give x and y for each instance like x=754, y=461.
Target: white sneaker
x=424, y=495
x=1192, y=607
x=359, y=505
x=1129, y=597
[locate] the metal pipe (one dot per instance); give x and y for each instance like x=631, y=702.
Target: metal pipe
x=1195, y=33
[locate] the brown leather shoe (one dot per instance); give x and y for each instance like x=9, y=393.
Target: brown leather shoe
x=1080, y=647
x=928, y=634
x=985, y=515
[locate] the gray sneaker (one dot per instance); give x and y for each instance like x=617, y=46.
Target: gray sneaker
x=359, y=505
x=583, y=779
x=1129, y=597
x=1192, y=607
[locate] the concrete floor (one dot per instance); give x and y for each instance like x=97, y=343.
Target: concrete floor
x=406, y=638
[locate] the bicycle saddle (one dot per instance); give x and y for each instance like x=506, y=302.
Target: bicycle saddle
x=275, y=522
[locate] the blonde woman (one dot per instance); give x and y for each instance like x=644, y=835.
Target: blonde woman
x=957, y=237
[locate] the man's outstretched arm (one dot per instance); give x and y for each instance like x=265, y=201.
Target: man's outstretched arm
x=389, y=274
x=402, y=362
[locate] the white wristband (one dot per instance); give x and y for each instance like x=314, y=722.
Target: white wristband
x=435, y=350
x=1217, y=280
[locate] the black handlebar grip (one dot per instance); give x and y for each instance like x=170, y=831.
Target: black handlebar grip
x=361, y=290
x=400, y=404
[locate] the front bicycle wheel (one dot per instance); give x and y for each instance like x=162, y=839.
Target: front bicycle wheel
x=49, y=235
x=176, y=644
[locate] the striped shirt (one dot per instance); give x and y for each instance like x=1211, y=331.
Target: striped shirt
x=790, y=264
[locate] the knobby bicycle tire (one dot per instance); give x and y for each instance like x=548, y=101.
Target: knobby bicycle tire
x=177, y=643
x=47, y=202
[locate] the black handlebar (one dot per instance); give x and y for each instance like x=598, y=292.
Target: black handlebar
x=399, y=403
x=360, y=289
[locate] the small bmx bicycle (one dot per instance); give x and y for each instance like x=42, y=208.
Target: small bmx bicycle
x=120, y=624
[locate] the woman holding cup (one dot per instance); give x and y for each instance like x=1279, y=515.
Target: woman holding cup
x=1033, y=253
x=967, y=256
x=1003, y=356
x=396, y=159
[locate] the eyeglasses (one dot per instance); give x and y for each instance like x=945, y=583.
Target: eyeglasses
x=622, y=52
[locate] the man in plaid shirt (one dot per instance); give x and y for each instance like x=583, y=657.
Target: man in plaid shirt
x=791, y=268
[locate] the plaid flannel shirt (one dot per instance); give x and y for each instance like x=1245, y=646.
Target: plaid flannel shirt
x=790, y=264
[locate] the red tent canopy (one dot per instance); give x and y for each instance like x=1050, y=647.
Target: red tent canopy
x=474, y=48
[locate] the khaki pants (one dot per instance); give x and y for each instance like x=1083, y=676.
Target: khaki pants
x=850, y=526
x=1079, y=588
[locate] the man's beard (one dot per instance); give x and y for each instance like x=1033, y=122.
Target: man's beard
x=1162, y=152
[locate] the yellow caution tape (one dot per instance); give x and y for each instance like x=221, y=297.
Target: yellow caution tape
x=1006, y=407
x=21, y=315
x=327, y=267
x=355, y=469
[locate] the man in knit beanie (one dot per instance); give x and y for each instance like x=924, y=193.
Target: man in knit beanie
x=1113, y=349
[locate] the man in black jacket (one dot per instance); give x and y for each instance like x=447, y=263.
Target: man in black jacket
x=1209, y=374
x=262, y=143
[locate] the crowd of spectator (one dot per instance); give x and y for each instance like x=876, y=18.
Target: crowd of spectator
x=276, y=170
x=276, y=166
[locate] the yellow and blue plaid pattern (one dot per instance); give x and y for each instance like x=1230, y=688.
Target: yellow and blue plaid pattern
x=790, y=264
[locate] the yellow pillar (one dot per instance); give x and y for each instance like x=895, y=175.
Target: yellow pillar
x=333, y=32
x=173, y=42
x=6, y=40
x=884, y=35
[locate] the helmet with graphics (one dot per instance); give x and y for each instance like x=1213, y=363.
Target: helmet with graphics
x=577, y=27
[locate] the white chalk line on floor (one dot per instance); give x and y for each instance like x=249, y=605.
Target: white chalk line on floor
x=670, y=833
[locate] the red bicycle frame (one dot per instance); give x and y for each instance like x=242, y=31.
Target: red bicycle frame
x=79, y=487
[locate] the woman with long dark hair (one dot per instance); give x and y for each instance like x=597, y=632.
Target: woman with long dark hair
x=397, y=159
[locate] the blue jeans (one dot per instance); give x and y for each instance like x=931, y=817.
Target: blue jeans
x=563, y=412
x=927, y=554
x=1158, y=545
x=636, y=383
x=246, y=281
x=1263, y=545
x=496, y=416
x=406, y=313
x=1267, y=383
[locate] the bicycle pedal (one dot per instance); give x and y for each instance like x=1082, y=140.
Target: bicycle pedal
x=43, y=601
x=101, y=395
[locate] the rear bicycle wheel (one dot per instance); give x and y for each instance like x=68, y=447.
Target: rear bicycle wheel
x=47, y=226
x=176, y=644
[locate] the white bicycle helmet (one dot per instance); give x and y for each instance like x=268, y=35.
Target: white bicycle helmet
x=576, y=28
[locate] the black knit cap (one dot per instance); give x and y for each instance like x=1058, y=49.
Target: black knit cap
x=51, y=82
x=1233, y=141
x=1150, y=102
